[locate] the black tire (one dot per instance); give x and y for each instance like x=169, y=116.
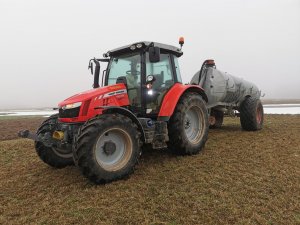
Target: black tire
x=251, y=114
x=58, y=158
x=218, y=119
x=93, y=153
x=178, y=126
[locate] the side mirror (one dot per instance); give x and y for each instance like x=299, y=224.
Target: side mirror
x=91, y=66
x=154, y=54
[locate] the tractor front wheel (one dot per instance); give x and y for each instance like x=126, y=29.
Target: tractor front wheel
x=188, y=126
x=53, y=156
x=108, y=148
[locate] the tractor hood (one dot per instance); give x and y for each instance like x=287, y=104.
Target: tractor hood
x=93, y=93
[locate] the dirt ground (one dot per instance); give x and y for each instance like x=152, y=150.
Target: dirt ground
x=10, y=126
x=239, y=178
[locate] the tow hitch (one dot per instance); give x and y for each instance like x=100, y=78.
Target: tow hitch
x=27, y=134
x=46, y=139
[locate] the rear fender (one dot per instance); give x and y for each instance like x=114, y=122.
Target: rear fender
x=172, y=97
x=125, y=112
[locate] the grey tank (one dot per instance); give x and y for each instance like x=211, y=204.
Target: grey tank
x=223, y=89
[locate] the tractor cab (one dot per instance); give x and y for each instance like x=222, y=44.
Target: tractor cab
x=148, y=71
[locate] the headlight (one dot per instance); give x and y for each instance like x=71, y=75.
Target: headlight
x=132, y=47
x=150, y=92
x=72, y=106
x=139, y=45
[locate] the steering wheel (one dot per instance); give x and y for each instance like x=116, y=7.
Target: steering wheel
x=133, y=72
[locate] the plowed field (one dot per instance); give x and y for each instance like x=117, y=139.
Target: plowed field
x=239, y=178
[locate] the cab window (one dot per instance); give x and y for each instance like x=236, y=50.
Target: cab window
x=178, y=74
x=127, y=67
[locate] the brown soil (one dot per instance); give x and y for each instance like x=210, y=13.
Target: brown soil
x=239, y=178
x=10, y=126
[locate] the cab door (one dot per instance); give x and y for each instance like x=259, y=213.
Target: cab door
x=163, y=72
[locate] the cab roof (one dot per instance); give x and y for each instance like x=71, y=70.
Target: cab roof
x=164, y=48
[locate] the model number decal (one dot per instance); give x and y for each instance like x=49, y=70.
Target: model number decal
x=109, y=94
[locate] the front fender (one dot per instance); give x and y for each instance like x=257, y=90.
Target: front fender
x=125, y=112
x=172, y=97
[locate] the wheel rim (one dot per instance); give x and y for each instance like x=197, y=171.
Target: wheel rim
x=259, y=114
x=113, y=149
x=212, y=120
x=193, y=124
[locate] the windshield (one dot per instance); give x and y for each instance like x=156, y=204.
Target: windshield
x=127, y=67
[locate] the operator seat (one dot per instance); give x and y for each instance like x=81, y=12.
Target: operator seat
x=122, y=79
x=159, y=80
x=132, y=92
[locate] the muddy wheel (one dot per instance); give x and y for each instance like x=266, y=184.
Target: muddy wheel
x=251, y=114
x=216, y=119
x=55, y=157
x=107, y=148
x=188, y=126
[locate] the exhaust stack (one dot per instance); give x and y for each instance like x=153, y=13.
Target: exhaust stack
x=96, y=74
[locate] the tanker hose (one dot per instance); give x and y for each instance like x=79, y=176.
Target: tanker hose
x=201, y=70
x=209, y=62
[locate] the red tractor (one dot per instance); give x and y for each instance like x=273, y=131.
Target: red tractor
x=141, y=101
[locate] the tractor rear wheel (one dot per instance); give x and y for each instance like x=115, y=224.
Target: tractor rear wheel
x=188, y=126
x=107, y=148
x=251, y=114
x=216, y=119
x=55, y=157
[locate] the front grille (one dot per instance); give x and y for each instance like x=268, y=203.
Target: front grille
x=69, y=113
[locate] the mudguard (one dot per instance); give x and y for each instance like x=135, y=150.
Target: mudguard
x=125, y=112
x=172, y=97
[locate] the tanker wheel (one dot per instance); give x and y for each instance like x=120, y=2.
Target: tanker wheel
x=251, y=114
x=108, y=148
x=188, y=126
x=216, y=119
x=55, y=157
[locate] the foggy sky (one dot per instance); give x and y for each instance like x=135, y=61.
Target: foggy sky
x=45, y=45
